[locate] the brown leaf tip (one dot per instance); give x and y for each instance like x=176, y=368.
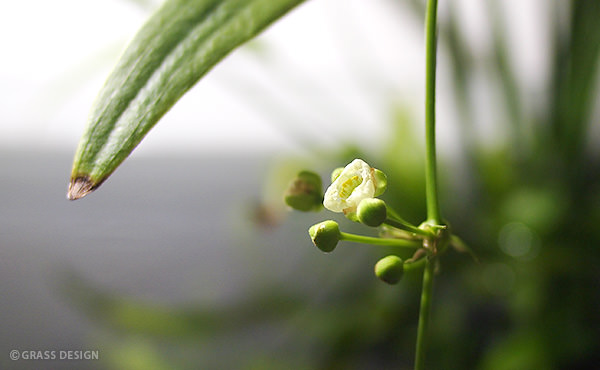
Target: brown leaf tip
x=80, y=187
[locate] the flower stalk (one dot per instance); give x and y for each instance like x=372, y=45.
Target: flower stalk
x=380, y=241
x=403, y=225
x=433, y=211
x=424, y=311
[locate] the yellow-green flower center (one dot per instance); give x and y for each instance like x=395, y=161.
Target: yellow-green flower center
x=348, y=186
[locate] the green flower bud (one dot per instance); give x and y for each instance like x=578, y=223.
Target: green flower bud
x=305, y=192
x=325, y=235
x=352, y=216
x=371, y=212
x=389, y=269
x=380, y=182
x=336, y=173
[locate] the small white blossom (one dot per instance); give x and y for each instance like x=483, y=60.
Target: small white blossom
x=355, y=183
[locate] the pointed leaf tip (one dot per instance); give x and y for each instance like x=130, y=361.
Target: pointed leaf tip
x=79, y=188
x=177, y=46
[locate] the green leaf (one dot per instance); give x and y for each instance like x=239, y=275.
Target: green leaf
x=173, y=50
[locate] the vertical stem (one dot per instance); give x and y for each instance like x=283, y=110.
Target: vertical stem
x=433, y=211
x=426, y=295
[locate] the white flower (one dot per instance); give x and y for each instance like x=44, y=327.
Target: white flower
x=355, y=183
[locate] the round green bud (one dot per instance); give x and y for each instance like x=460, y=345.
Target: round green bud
x=305, y=192
x=380, y=182
x=336, y=173
x=371, y=212
x=389, y=269
x=325, y=235
x=351, y=216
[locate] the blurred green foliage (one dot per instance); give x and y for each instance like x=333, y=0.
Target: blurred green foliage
x=529, y=206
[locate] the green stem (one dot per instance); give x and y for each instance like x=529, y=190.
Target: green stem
x=396, y=221
x=403, y=225
x=426, y=295
x=379, y=241
x=418, y=264
x=433, y=211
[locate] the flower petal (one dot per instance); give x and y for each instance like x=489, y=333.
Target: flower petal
x=354, y=184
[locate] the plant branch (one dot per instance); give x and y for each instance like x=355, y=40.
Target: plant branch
x=433, y=211
x=379, y=241
x=426, y=296
x=403, y=225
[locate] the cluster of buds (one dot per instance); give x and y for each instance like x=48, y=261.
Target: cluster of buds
x=353, y=192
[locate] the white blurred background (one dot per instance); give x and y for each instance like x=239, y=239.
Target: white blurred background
x=331, y=69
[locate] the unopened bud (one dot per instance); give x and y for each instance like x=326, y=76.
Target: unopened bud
x=380, y=182
x=336, y=173
x=372, y=212
x=325, y=235
x=352, y=216
x=389, y=269
x=305, y=192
